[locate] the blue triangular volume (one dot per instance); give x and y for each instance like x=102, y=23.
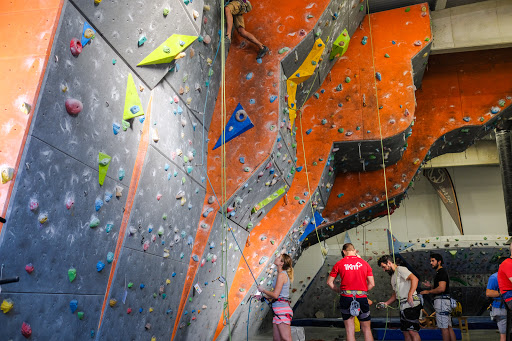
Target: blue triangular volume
x=347, y=238
x=85, y=40
x=317, y=220
x=396, y=246
x=238, y=127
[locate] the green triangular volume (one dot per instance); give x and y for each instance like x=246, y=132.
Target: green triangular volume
x=132, y=103
x=103, y=163
x=168, y=50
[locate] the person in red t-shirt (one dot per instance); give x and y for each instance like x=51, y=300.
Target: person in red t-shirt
x=356, y=280
x=505, y=279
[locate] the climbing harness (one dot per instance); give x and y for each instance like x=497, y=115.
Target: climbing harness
x=355, y=306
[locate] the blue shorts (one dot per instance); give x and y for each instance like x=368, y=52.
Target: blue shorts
x=363, y=302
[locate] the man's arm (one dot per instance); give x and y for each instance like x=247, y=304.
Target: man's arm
x=492, y=293
x=330, y=283
x=391, y=299
x=439, y=290
x=414, y=284
x=371, y=282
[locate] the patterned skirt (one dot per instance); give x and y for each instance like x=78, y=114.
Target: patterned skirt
x=283, y=314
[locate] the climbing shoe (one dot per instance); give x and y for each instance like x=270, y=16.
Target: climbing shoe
x=262, y=52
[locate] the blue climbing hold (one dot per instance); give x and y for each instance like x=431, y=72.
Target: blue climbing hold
x=249, y=76
x=115, y=128
x=142, y=119
x=108, y=196
x=252, y=101
x=142, y=286
x=85, y=40
x=309, y=131
x=298, y=169
x=135, y=109
x=98, y=204
x=259, y=61
x=166, y=167
x=378, y=76
x=110, y=257
x=173, y=274
x=273, y=98
x=195, y=258
x=73, y=305
x=239, y=126
x=242, y=160
x=100, y=266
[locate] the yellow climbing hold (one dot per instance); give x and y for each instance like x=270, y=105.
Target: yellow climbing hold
x=103, y=164
x=132, y=103
x=306, y=70
x=112, y=302
x=153, y=338
x=167, y=281
x=177, y=43
x=151, y=310
x=6, y=306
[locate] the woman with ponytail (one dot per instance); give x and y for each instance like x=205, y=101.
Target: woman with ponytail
x=280, y=297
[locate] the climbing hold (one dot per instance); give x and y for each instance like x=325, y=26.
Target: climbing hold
x=386, y=55
x=71, y=274
x=466, y=118
x=263, y=259
x=75, y=46
x=339, y=87
x=378, y=76
x=407, y=9
x=142, y=40
x=87, y=34
x=495, y=110
x=29, y=268
x=80, y=315
x=283, y=50
x=249, y=76
x=309, y=131
x=103, y=164
x=207, y=212
x=417, y=43
x=6, y=306
x=166, y=11
x=112, y=302
x=94, y=222
x=33, y=205
x=364, y=40
x=98, y=204
x=43, y=218
x=73, y=305
x=73, y=106
x=26, y=330
x=324, y=121
x=110, y=257
x=347, y=80
x=239, y=127
x=273, y=98
x=100, y=266
x=241, y=115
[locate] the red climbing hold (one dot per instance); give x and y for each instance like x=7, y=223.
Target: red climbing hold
x=73, y=106
x=26, y=330
x=29, y=268
x=75, y=46
x=129, y=310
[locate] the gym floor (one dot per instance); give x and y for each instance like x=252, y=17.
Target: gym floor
x=338, y=334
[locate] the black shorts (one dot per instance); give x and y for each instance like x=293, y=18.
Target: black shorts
x=364, y=305
x=410, y=318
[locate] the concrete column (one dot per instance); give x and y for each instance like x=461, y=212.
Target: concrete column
x=504, y=143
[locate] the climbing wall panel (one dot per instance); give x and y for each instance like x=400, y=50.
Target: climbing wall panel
x=177, y=134
x=165, y=225
x=204, y=309
x=30, y=307
x=125, y=23
x=100, y=86
x=49, y=181
x=144, y=288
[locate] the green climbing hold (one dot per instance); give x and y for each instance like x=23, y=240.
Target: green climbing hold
x=130, y=285
x=284, y=50
x=250, y=226
x=315, y=163
x=296, y=198
x=166, y=49
x=190, y=299
x=80, y=315
x=166, y=12
x=71, y=274
x=407, y=9
x=347, y=80
x=164, y=217
x=94, y=222
x=340, y=195
x=125, y=125
x=341, y=130
x=386, y=55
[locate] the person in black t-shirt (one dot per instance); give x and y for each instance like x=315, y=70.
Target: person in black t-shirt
x=441, y=292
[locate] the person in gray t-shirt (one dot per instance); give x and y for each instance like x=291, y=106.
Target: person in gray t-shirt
x=404, y=285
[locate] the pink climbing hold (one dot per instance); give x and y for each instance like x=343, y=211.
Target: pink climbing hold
x=29, y=268
x=26, y=330
x=75, y=46
x=158, y=197
x=73, y=106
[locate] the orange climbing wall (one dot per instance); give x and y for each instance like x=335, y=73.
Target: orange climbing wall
x=455, y=86
x=27, y=30
x=256, y=143
x=395, y=89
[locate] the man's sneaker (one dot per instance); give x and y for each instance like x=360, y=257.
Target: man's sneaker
x=262, y=52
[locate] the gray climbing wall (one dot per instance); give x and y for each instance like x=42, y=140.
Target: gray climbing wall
x=59, y=177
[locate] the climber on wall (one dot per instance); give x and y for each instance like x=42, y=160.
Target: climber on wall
x=280, y=297
x=404, y=288
x=234, y=11
x=356, y=280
